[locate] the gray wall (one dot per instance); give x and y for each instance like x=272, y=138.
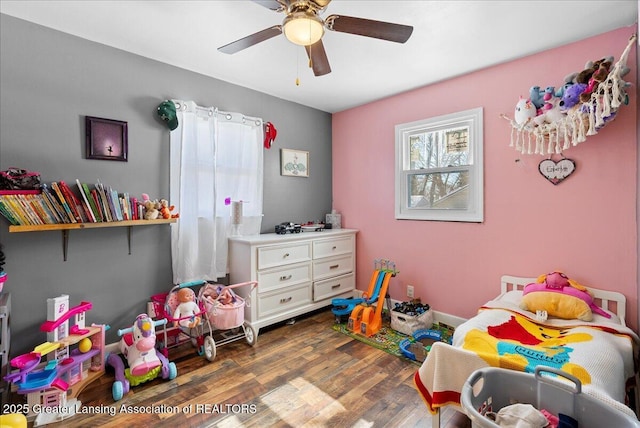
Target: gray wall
x=48, y=82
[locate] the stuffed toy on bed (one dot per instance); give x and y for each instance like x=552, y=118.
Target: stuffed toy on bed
x=560, y=297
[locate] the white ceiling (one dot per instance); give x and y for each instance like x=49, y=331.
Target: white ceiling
x=450, y=38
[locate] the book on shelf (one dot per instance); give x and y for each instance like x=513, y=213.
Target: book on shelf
x=63, y=202
x=53, y=200
x=89, y=199
x=74, y=202
x=7, y=212
x=85, y=203
x=58, y=203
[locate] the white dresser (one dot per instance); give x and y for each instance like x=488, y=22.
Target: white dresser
x=296, y=273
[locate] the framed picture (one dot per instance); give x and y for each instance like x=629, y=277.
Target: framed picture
x=106, y=139
x=294, y=163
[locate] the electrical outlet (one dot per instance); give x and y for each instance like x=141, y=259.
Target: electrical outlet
x=410, y=291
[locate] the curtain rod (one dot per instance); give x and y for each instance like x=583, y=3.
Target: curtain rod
x=210, y=111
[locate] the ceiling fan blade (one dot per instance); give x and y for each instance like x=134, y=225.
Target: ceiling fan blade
x=251, y=40
x=367, y=27
x=273, y=4
x=318, y=58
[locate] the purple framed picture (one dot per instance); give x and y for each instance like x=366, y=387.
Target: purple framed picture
x=106, y=139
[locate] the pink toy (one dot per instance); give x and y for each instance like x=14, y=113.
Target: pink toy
x=144, y=360
x=138, y=347
x=557, y=282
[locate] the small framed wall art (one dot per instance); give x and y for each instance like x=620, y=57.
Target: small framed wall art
x=294, y=163
x=106, y=139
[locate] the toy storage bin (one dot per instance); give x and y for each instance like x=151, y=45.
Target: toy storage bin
x=501, y=387
x=407, y=324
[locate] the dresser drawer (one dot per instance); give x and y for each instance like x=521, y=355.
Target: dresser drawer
x=274, y=278
x=284, y=300
x=278, y=255
x=333, y=287
x=334, y=266
x=332, y=247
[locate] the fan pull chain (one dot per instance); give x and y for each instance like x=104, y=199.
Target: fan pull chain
x=297, y=67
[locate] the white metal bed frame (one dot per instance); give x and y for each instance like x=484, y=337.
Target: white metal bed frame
x=610, y=300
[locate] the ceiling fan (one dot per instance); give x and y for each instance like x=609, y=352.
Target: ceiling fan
x=303, y=26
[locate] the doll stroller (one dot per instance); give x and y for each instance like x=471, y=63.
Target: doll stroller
x=225, y=311
x=218, y=307
x=195, y=327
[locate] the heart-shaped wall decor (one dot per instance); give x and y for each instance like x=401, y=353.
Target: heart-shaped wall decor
x=556, y=172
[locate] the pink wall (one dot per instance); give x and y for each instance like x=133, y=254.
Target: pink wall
x=585, y=226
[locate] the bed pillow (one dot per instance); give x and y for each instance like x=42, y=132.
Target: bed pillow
x=560, y=297
x=556, y=304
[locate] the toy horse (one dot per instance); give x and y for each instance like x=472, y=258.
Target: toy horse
x=144, y=360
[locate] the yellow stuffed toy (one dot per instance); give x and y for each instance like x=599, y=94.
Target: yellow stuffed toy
x=560, y=297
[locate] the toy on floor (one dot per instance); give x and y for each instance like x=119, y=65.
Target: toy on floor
x=419, y=344
x=343, y=307
x=55, y=372
x=13, y=420
x=213, y=307
x=145, y=362
x=366, y=319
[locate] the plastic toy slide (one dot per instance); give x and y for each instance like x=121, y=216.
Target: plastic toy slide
x=345, y=306
x=371, y=320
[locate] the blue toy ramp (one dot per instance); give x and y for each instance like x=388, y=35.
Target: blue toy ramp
x=345, y=306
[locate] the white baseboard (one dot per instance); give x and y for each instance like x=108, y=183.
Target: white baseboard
x=452, y=320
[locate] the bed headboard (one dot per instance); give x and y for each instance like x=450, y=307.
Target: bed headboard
x=610, y=300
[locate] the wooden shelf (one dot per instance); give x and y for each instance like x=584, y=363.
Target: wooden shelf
x=72, y=226
x=66, y=227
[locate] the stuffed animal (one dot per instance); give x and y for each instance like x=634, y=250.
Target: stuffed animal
x=536, y=96
x=589, y=68
x=150, y=210
x=598, y=76
x=187, y=309
x=165, y=209
x=553, y=114
x=560, y=297
x=524, y=111
x=571, y=96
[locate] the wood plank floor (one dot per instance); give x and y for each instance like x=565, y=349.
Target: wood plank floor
x=301, y=374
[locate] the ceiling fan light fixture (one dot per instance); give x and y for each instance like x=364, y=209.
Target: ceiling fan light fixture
x=303, y=28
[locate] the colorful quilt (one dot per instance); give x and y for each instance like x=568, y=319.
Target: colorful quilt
x=599, y=353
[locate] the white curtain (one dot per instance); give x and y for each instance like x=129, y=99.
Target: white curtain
x=215, y=156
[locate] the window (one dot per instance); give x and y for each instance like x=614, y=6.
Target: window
x=439, y=172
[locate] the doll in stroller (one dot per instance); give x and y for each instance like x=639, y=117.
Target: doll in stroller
x=215, y=310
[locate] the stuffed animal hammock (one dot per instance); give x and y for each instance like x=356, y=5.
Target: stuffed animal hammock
x=580, y=121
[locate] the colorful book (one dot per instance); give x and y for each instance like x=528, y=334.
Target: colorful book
x=7, y=212
x=102, y=195
x=49, y=195
x=92, y=203
x=63, y=202
x=85, y=203
x=73, y=201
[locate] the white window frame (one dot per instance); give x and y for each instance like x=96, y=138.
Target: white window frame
x=474, y=212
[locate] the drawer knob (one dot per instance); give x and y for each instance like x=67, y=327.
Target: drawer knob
x=334, y=266
x=286, y=300
x=335, y=286
x=334, y=247
x=286, y=255
x=285, y=277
